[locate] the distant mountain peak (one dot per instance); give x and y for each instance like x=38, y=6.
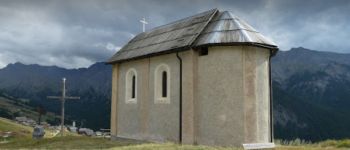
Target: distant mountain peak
x=303, y=49
x=23, y=65
x=97, y=64
x=20, y=65
x=300, y=49
x=15, y=64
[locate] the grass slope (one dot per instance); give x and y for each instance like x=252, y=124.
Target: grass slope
x=82, y=142
x=22, y=139
x=17, y=131
x=11, y=108
x=66, y=142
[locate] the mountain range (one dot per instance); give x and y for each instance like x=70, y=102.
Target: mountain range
x=311, y=93
x=35, y=83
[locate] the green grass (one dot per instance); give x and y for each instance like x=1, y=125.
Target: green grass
x=171, y=146
x=82, y=142
x=300, y=144
x=65, y=142
x=336, y=143
x=22, y=139
x=18, y=131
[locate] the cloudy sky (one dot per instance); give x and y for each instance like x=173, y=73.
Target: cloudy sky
x=77, y=33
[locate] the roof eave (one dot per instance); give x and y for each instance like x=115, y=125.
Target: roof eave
x=179, y=49
x=273, y=48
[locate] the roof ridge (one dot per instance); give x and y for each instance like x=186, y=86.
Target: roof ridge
x=204, y=27
x=229, y=30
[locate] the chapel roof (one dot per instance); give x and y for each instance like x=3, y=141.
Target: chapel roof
x=205, y=29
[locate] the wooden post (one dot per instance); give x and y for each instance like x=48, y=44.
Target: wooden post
x=63, y=99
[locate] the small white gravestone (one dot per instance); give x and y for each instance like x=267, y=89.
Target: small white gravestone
x=258, y=145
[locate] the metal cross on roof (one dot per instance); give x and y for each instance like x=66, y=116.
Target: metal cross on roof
x=63, y=98
x=143, y=21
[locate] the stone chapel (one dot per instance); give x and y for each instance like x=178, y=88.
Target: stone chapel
x=204, y=79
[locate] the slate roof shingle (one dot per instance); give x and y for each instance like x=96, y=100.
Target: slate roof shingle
x=208, y=28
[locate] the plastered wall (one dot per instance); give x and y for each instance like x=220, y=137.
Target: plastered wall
x=225, y=98
x=233, y=96
x=145, y=119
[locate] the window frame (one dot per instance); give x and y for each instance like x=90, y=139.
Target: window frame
x=158, y=84
x=129, y=89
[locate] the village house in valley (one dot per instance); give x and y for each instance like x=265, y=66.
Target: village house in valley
x=204, y=80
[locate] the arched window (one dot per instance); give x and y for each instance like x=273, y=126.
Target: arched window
x=133, y=90
x=162, y=84
x=131, y=86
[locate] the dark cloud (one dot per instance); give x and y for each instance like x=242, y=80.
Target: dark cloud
x=77, y=33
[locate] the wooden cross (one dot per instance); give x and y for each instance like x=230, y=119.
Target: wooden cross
x=63, y=98
x=143, y=21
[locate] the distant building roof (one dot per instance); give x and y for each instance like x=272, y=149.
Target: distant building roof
x=204, y=29
x=21, y=119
